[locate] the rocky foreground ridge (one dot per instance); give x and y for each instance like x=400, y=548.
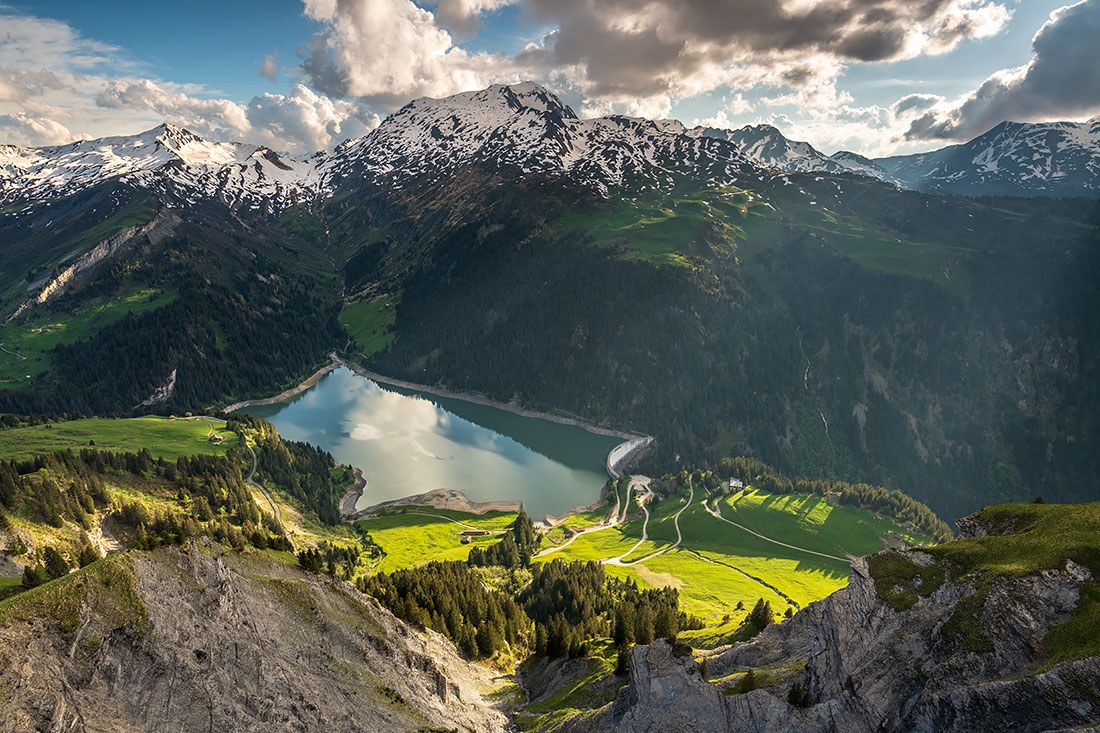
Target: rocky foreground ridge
x=176, y=640
x=917, y=641
x=997, y=630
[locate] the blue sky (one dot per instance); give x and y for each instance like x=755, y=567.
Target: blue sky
x=77, y=69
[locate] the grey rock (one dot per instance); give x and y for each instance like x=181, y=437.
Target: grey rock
x=870, y=667
x=236, y=644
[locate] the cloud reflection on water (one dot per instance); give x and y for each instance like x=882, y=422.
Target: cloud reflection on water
x=406, y=444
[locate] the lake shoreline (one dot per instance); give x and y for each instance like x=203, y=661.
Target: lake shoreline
x=627, y=452
x=477, y=399
x=354, y=492
x=286, y=394
x=451, y=499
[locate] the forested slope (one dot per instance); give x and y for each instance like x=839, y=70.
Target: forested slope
x=967, y=380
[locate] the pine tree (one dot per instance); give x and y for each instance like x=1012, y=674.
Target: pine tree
x=88, y=555
x=643, y=626
x=624, y=624
x=55, y=564
x=747, y=683
x=761, y=614
x=665, y=626
x=622, y=663
x=799, y=696
x=34, y=575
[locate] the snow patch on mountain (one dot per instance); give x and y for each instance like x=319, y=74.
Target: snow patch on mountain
x=1012, y=159
x=524, y=130
x=165, y=158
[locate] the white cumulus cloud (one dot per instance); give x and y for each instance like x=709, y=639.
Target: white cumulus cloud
x=387, y=52
x=1062, y=79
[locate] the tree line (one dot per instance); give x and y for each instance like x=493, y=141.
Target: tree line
x=891, y=503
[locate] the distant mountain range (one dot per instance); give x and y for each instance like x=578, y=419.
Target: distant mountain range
x=521, y=129
x=1013, y=159
x=528, y=131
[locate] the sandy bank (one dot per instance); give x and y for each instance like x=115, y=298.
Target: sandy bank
x=351, y=498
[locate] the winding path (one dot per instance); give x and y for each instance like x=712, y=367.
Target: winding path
x=717, y=513
x=679, y=537
x=274, y=507
x=16, y=355
x=645, y=535
x=615, y=518
x=251, y=474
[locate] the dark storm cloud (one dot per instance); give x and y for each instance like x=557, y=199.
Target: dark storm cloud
x=644, y=47
x=1062, y=80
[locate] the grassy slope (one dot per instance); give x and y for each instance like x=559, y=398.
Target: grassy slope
x=664, y=228
x=164, y=437
x=711, y=590
x=34, y=338
x=45, y=250
x=558, y=534
x=818, y=524
x=105, y=586
x=583, y=692
x=1045, y=537
x=1024, y=539
x=413, y=539
x=369, y=323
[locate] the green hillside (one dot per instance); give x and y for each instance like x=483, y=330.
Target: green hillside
x=163, y=437
x=413, y=536
x=718, y=565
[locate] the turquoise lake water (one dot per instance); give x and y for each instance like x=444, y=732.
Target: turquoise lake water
x=407, y=442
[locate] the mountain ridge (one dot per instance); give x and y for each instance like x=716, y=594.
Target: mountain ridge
x=525, y=129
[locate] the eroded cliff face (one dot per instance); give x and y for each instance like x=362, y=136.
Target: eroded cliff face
x=196, y=641
x=956, y=660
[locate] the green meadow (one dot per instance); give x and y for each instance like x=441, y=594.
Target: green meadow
x=164, y=437
x=33, y=339
x=410, y=538
x=718, y=565
x=370, y=324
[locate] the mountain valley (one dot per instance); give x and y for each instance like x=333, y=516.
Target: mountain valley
x=824, y=368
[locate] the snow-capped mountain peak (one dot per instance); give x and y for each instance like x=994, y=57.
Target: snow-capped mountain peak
x=766, y=145
x=522, y=131
x=164, y=158
x=1012, y=159
x=527, y=131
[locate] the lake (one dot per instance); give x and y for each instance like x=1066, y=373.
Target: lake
x=407, y=442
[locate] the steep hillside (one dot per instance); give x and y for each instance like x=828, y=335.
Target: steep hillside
x=996, y=628
x=118, y=301
x=204, y=639
x=833, y=327
x=491, y=241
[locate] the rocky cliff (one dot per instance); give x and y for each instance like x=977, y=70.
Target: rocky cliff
x=177, y=640
x=938, y=640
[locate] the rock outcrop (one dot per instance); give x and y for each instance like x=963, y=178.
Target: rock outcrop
x=196, y=641
x=959, y=659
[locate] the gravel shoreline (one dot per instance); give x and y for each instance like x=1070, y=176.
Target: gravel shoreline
x=480, y=400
